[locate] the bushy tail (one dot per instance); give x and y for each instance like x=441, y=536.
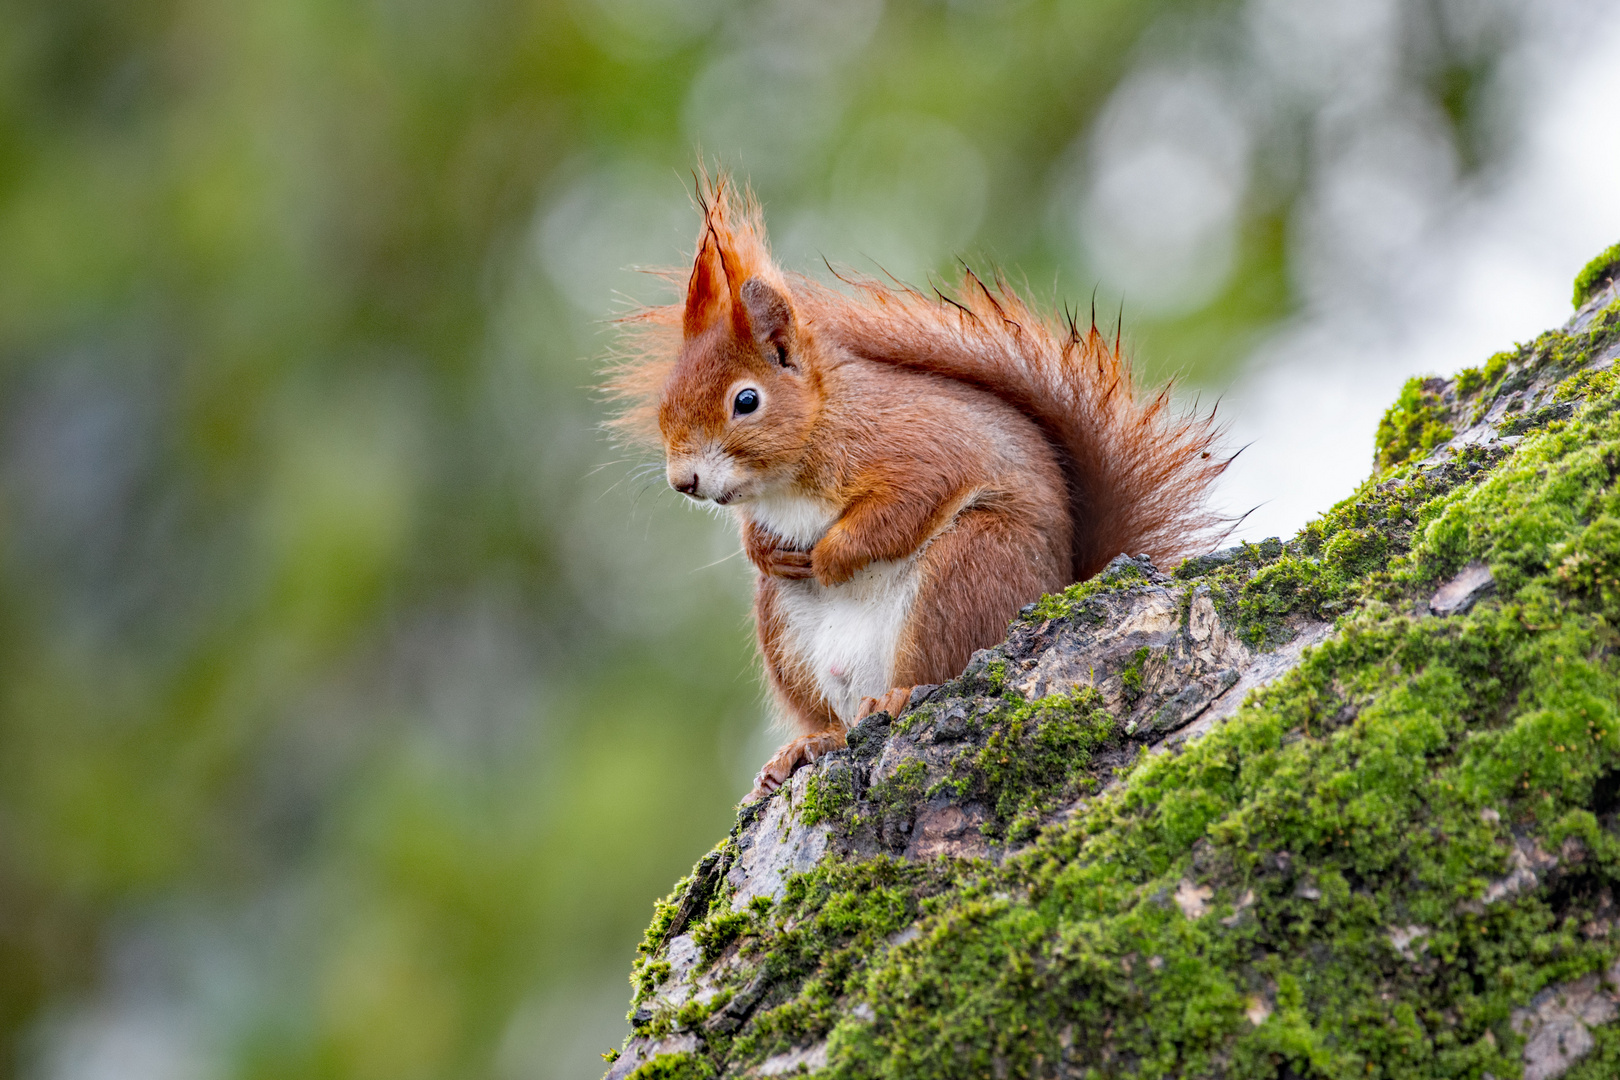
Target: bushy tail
x=1138, y=471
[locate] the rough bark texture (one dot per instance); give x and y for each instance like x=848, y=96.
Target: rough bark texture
x=1343, y=806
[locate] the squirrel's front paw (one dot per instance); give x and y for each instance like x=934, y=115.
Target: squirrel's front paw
x=791, y=758
x=774, y=559
x=892, y=703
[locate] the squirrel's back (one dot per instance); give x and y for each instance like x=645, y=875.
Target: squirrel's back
x=1137, y=472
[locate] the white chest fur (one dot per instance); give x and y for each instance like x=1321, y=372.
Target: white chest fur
x=845, y=634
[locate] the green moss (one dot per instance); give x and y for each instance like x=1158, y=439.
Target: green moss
x=901, y=791
x=1072, y=602
x=720, y=929
x=1496, y=366
x=1470, y=380
x=1488, y=378
x=1513, y=382
x=1588, y=566
x=1603, y=1063
x=1234, y=578
x=663, y=917
x=1415, y=424
x=1586, y=384
x=1131, y=675
x=1034, y=757
x=835, y=922
x=1554, y=491
x=1346, y=800
x=1604, y=327
x=1557, y=354
x=1342, y=558
x=995, y=676
x=675, y=1067
x=647, y=971
x=1541, y=418
x=1225, y=571
x=827, y=797
x=1596, y=275
x=646, y=977
x=886, y=805
x=694, y=1012
x=1289, y=585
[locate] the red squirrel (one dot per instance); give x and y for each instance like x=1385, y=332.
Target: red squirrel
x=907, y=470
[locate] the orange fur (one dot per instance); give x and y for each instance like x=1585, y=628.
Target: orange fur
x=907, y=470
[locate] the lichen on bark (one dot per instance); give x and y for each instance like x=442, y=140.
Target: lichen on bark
x=1345, y=806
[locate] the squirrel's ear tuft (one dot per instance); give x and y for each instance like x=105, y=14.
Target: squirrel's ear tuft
x=707, y=290
x=731, y=250
x=770, y=317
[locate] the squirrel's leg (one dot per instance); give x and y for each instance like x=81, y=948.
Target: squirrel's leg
x=873, y=529
x=793, y=687
x=973, y=579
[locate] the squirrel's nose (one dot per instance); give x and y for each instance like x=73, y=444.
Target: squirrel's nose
x=689, y=487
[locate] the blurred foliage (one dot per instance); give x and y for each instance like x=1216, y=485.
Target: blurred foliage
x=350, y=717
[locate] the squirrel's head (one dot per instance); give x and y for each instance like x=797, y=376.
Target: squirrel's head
x=736, y=408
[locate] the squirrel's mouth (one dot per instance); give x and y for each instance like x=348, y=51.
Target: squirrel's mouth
x=725, y=497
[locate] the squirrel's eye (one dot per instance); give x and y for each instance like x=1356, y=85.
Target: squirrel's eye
x=746, y=402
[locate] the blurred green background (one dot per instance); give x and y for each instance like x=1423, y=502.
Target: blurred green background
x=355, y=700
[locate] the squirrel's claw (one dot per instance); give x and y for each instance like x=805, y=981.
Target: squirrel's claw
x=793, y=565
x=796, y=754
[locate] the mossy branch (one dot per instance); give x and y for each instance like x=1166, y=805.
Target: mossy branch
x=1399, y=857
